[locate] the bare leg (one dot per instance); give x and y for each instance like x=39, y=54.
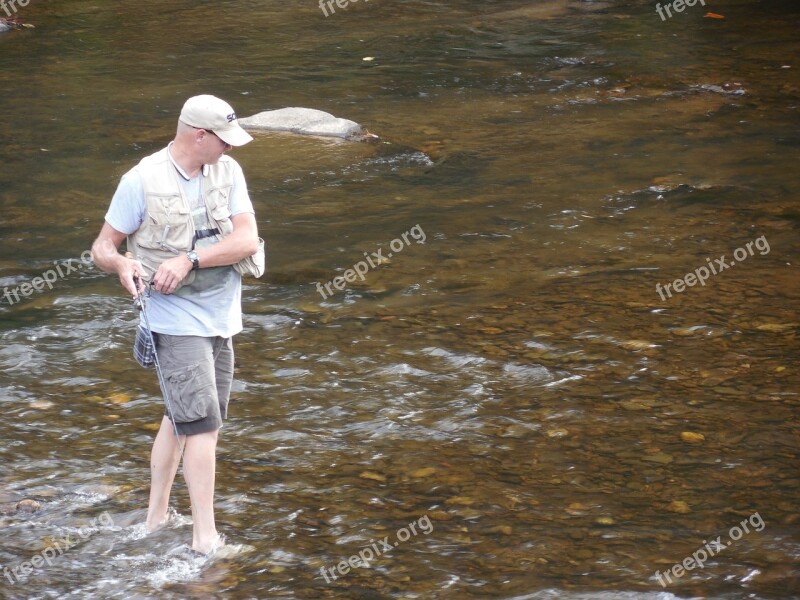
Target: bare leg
x=164, y=460
x=199, y=470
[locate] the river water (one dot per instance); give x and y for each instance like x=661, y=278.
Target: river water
x=508, y=403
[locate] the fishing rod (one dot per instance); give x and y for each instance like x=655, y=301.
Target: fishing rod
x=139, y=303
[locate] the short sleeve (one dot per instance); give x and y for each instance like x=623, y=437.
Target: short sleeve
x=127, y=209
x=240, y=199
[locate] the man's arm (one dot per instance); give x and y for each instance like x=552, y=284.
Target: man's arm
x=105, y=253
x=241, y=243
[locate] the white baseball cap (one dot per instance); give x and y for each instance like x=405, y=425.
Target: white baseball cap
x=210, y=112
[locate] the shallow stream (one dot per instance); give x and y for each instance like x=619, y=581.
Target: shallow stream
x=517, y=381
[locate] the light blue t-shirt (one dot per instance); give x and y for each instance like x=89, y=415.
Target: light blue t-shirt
x=212, y=304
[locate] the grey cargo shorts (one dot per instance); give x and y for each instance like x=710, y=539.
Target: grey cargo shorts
x=198, y=372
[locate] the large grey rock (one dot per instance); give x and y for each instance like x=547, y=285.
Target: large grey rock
x=306, y=121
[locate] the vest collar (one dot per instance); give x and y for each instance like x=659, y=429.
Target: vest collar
x=180, y=169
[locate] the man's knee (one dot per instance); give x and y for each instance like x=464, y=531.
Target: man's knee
x=207, y=439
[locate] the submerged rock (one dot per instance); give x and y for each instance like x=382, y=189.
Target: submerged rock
x=24, y=507
x=305, y=121
x=732, y=88
x=9, y=24
x=692, y=437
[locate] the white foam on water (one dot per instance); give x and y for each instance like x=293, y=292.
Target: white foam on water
x=133, y=533
x=554, y=594
x=176, y=568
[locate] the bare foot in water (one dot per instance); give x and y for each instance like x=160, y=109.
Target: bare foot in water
x=171, y=515
x=209, y=549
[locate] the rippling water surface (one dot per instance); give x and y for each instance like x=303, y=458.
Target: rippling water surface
x=508, y=404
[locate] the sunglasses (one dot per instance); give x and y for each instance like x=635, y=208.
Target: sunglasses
x=206, y=130
x=212, y=133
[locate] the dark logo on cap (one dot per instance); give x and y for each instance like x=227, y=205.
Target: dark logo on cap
x=231, y=117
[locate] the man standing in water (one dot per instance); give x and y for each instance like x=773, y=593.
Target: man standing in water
x=188, y=220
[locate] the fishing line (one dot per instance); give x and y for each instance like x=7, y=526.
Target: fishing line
x=139, y=303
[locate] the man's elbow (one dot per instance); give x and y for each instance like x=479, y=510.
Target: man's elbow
x=251, y=245
x=98, y=257
x=245, y=231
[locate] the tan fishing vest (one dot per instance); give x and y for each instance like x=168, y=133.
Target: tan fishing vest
x=168, y=229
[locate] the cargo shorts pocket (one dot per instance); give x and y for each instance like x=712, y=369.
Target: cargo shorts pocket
x=191, y=393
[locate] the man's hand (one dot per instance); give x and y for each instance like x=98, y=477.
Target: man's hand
x=105, y=253
x=171, y=273
x=128, y=270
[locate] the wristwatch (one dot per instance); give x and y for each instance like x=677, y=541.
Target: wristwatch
x=192, y=256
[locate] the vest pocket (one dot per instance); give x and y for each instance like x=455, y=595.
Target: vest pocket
x=219, y=206
x=167, y=224
x=166, y=232
x=254, y=265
